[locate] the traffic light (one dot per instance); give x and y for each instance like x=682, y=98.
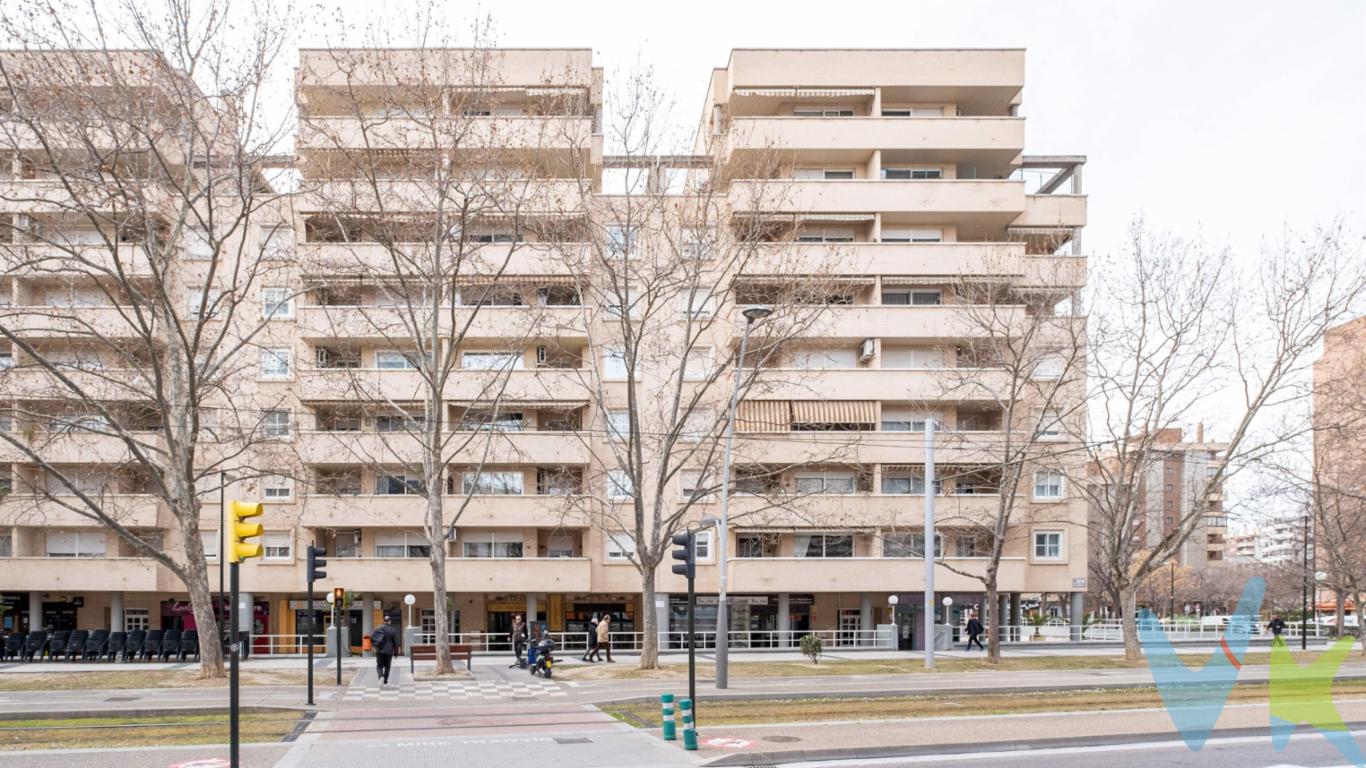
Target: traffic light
x=316, y=563
x=687, y=555
x=339, y=595
x=238, y=548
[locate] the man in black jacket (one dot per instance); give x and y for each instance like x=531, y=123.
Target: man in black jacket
x=385, y=642
x=1277, y=626
x=974, y=633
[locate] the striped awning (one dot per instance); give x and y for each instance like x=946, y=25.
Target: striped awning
x=763, y=416
x=532, y=280
x=834, y=412
x=803, y=93
x=799, y=217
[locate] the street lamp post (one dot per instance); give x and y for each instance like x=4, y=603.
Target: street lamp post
x=752, y=315
x=1304, y=605
x=1171, y=594
x=409, y=633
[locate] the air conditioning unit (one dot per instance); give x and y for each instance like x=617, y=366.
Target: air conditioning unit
x=867, y=350
x=542, y=354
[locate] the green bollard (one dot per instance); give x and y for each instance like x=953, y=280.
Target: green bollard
x=689, y=732
x=666, y=702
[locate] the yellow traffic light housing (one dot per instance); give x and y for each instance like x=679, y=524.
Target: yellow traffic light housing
x=238, y=548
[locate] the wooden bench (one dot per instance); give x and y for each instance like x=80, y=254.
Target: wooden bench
x=427, y=652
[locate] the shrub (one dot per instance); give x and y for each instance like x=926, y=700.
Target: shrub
x=812, y=647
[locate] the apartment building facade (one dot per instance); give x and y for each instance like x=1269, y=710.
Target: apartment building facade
x=897, y=176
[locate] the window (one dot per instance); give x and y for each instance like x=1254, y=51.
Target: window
x=697, y=425
x=697, y=364
x=823, y=545
x=346, y=544
x=1049, y=367
x=905, y=297
x=912, y=235
x=209, y=539
x=195, y=300
x=971, y=545
x=825, y=482
x=276, y=424
x=560, y=544
x=697, y=242
x=275, y=363
x=75, y=544
x=620, y=547
x=277, y=488
x=912, y=357
x=695, y=303
x=278, y=545
x=1050, y=425
x=393, y=360
x=338, y=483
x=912, y=111
x=490, y=361
x=619, y=485
x=620, y=240
x=276, y=304
x=822, y=111
x=1047, y=484
x=692, y=484
x=822, y=359
x=401, y=544
x=398, y=485
x=910, y=545
x=811, y=234
x=478, y=420
x=197, y=245
x=908, y=481
x=398, y=422
x=6, y=542
x=619, y=424
x=624, y=302
x=135, y=619
x=753, y=545
x=917, y=174
x=904, y=420
x=701, y=546
x=277, y=242
x=823, y=174
x=614, y=363
x=492, y=545
x=1048, y=545
x=492, y=483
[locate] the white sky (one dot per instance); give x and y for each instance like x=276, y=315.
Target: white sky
x=1237, y=117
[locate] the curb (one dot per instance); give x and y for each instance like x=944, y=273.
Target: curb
x=73, y=714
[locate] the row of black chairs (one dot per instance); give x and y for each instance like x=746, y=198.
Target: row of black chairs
x=101, y=644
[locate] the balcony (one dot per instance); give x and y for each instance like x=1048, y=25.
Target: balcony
x=80, y=574
x=375, y=574
x=347, y=68
x=72, y=323
x=39, y=260
x=130, y=509
x=527, y=134
x=35, y=383
x=944, y=322
x=395, y=448
x=945, y=70
x=317, y=323
x=940, y=385
x=1055, y=211
x=537, y=196
x=864, y=510
x=519, y=512
x=371, y=384
x=992, y=141
x=373, y=259
x=952, y=261
x=873, y=447
x=862, y=574
x=983, y=203
x=78, y=447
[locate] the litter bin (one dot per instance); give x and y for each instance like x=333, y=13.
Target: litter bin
x=943, y=637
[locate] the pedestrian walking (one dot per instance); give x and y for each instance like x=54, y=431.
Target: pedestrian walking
x=605, y=637
x=385, y=642
x=519, y=638
x=974, y=633
x=591, y=649
x=1277, y=626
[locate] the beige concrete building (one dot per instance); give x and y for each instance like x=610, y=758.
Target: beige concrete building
x=903, y=173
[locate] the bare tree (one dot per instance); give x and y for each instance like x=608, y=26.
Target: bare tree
x=437, y=197
x=137, y=148
x=1173, y=330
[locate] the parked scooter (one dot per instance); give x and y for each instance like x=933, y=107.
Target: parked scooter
x=542, y=659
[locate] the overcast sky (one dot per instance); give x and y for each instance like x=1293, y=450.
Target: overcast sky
x=1235, y=117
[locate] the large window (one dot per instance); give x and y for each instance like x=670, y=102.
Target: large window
x=907, y=297
x=398, y=485
x=821, y=359
x=912, y=357
x=822, y=111
x=491, y=361
x=278, y=545
x=911, y=235
x=393, y=360
x=910, y=545
x=492, y=545
x=401, y=544
x=1048, y=545
x=823, y=545
x=478, y=420
x=492, y=483
x=825, y=482
x=905, y=173
x=908, y=481
x=1047, y=484
x=904, y=420
x=75, y=544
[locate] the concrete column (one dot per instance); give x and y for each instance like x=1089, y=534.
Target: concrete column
x=116, y=612
x=1002, y=613
x=875, y=166
x=1016, y=619
x=784, y=618
x=876, y=109
x=367, y=616
x=1074, y=615
x=532, y=604
x=865, y=617
x=35, y=611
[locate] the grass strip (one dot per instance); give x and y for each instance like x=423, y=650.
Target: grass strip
x=102, y=732
x=158, y=678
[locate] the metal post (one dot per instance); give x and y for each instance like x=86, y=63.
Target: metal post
x=723, y=530
x=336, y=630
x=312, y=633
x=1304, y=604
x=927, y=550
x=692, y=645
x=234, y=748
x=1171, y=594
x=222, y=540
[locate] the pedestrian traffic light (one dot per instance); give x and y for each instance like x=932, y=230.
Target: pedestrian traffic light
x=688, y=554
x=339, y=595
x=239, y=548
x=316, y=563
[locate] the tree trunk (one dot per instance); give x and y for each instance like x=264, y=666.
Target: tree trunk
x=998, y=622
x=1128, y=608
x=649, y=639
x=437, y=537
x=201, y=603
x=1339, y=612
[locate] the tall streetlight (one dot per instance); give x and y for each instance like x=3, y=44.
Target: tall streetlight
x=752, y=315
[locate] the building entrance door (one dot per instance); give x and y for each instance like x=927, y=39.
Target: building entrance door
x=905, y=628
